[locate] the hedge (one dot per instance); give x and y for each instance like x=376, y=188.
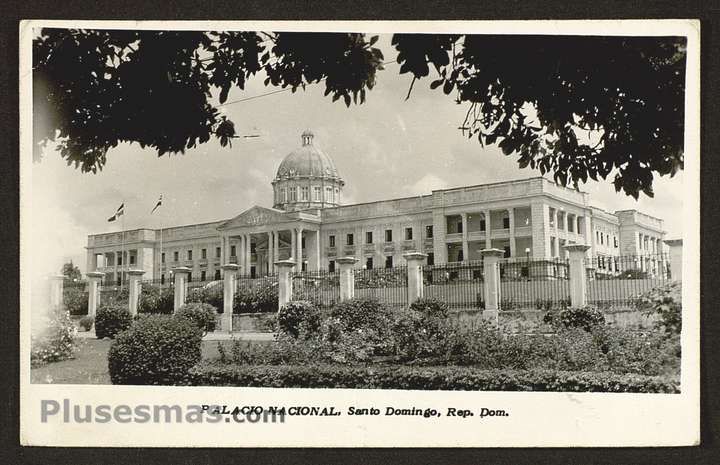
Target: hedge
x=425, y=378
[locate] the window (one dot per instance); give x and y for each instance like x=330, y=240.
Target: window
x=304, y=194
x=460, y=256
x=218, y=251
x=317, y=192
x=459, y=227
x=189, y=254
x=331, y=266
x=369, y=263
x=408, y=234
x=388, y=261
x=506, y=222
x=119, y=282
x=571, y=225
x=203, y=254
x=283, y=195
x=429, y=231
x=602, y=238
x=293, y=194
x=176, y=256
x=482, y=224
x=203, y=275
x=349, y=240
x=217, y=275
x=328, y=194
x=162, y=257
x=431, y=258
x=388, y=235
x=189, y=276
x=597, y=236
x=368, y=237
x=162, y=279
x=232, y=250
x=302, y=243
x=331, y=240
x=615, y=241
x=507, y=251
x=132, y=259
x=252, y=247
x=120, y=260
x=552, y=218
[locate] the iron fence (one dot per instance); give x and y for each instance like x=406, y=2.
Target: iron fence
x=617, y=281
x=321, y=287
x=388, y=285
x=534, y=284
x=460, y=285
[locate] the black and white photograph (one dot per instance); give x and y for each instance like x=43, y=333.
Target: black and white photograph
x=354, y=226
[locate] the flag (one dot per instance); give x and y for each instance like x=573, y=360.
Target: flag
x=159, y=202
x=120, y=211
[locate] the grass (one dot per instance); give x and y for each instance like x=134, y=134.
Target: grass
x=90, y=364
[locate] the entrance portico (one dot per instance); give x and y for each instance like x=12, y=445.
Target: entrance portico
x=259, y=237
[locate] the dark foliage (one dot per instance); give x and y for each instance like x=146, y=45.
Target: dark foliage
x=204, y=316
x=587, y=318
x=157, y=349
x=111, y=319
x=261, y=298
x=298, y=316
x=75, y=299
x=156, y=299
x=86, y=322
x=666, y=303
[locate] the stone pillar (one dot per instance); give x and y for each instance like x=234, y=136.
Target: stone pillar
x=56, y=292
x=134, y=287
x=229, y=285
x=94, y=279
x=347, y=276
x=465, y=246
x=248, y=254
x=270, y=252
x=276, y=247
x=299, y=255
x=316, y=251
x=240, y=256
x=488, y=229
x=293, y=245
x=285, y=287
x=578, y=275
x=491, y=282
x=676, y=254
x=511, y=231
x=181, y=278
x=415, y=261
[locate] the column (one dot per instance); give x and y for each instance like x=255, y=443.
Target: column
x=488, y=228
x=285, y=289
x=299, y=255
x=316, y=241
x=578, y=275
x=181, y=278
x=439, y=230
x=134, y=286
x=293, y=245
x=347, y=276
x=676, y=255
x=270, y=252
x=276, y=247
x=465, y=247
x=491, y=283
x=223, y=251
x=511, y=221
x=229, y=284
x=248, y=254
x=91, y=261
x=94, y=279
x=56, y=292
x=415, y=261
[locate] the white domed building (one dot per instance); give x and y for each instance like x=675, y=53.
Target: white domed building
x=308, y=224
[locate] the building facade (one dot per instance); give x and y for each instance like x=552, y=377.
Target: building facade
x=529, y=218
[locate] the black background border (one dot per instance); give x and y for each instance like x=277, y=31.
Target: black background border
x=13, y=11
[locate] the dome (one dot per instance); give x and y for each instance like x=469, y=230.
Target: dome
x=307, y=161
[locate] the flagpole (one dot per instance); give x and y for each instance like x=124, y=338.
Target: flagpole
x=122, y=248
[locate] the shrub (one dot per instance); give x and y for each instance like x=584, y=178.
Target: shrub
x=86, y=322
x=425, y=378
x=665, y=302
x=209, y=294
x=157, y=349
x=56, y=341
x=430, y=307
x=586, y=318
x=367, y=317
x=204, y=316
x=111, y=318
x=257, y=299
x=75, y=299
x=298, y=316
x=156, y=299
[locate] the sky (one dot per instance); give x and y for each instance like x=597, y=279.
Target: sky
x=387, y=147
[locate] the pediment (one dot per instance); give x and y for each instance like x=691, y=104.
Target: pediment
x=256, y=216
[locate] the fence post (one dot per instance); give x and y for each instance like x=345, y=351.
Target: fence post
x=134, y=283
x=416, y=288
x=676, y=253
x=578, y=274
x=181, y=274
x=491, y=282
x=347, y=277
x=94, y=278
x=230, y=271
x=56, y=292
x=285, y=285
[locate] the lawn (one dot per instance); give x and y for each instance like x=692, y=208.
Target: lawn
x=90, y=364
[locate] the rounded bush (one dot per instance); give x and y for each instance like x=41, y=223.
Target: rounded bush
x=209, y=294
x=262, y=298
x=665, y=302
x=298, y=316
x=362, y=313
x=75, y=300
x=111, y=319
x=155, y=299
x=430, y=307
x=157, y=349
x=86, y=322
x=586, y=318
x=204, y=316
